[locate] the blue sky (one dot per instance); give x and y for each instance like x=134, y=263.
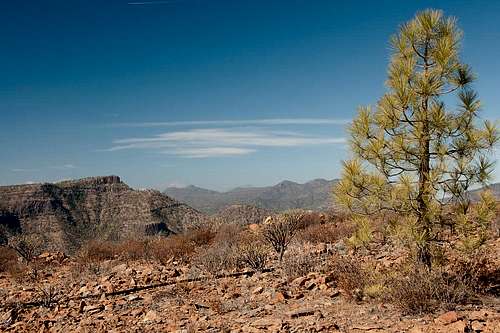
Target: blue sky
x=213, y=93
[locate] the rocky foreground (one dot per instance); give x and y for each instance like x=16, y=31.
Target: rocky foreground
x=141, y=296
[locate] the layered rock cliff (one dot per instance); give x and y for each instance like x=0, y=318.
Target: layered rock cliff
x=65, y=213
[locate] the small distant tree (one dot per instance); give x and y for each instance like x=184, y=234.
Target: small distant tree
x=412, y=152
x=281, y=231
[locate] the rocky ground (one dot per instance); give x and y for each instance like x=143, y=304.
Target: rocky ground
x=141, y=296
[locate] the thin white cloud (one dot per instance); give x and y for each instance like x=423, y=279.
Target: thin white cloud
x=261, y=122
x=23, y=170
x=210, y=142
x=64, y=167
x=210, y=152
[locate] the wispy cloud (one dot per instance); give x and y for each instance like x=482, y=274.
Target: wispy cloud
x=211, y=142
x=210, y=152
x=259, y=122
x=67, y=166
x=23, y=170
x=63, y=167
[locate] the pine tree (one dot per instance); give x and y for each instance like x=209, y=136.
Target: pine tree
x=416, y=150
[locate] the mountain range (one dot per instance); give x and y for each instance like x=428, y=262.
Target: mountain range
x=315, y=195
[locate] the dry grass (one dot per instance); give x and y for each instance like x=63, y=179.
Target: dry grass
x=326, y=233
x=133, y=249
x=177, y=247
x=97, y=251
x=296, y=263
x=8, y=259
x=216, y=259
x=350, y=276
x=418, y=290
x=252, y=252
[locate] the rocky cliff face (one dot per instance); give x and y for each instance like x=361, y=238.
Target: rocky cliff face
x=67, y=212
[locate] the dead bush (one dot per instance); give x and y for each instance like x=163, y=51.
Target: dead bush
x=281, y=231
x=297, y=263
x=325, y=233
x=133, y=249
x=27, y=246
x=350, y=276
x=229, y=234
x=8, y=259
x=252, y=253
x=97, y=251
x=202, y=236
x=417, y=290
x=176, y=247
x=217, y=258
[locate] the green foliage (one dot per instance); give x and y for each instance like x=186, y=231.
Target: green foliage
x=363, y=234
x=412, y=149
x=473, y=225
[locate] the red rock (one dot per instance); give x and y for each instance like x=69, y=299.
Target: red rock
x=447, y=318
x=279, y=297
x=301, y=313
x=456, y=327
x=257, y=290
x=300, y=281
x=310, y=285
x=150, y=316
x=91, y=309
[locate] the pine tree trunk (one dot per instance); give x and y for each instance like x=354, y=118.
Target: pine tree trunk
x=424, y=254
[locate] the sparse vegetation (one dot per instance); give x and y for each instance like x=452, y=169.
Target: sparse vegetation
x=253, y=253
x=297, y=263
x=350, y=276
x=409, y=241
x=281, y=231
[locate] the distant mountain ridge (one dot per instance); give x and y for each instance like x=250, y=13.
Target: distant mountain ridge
x=315, y=194
x=494, y=188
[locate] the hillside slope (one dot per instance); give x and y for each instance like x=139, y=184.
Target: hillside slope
x=67, y=212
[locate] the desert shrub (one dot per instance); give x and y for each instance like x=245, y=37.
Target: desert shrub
x=97, y=251
x=47, y=295
x=312, y=218
x=202, y=236
x=297, y=263
x=252, y=252
x=176, y=247
x=281, y=231
x=229, y=234
x=318, y=233
x=215, y=259
x=416, y=289
x=476, y=270
x=133, y=249
x=8, y=259
x=350, y=276
x=179, y=247
x=27, y=246
x=9, y=263
x=326, y=233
